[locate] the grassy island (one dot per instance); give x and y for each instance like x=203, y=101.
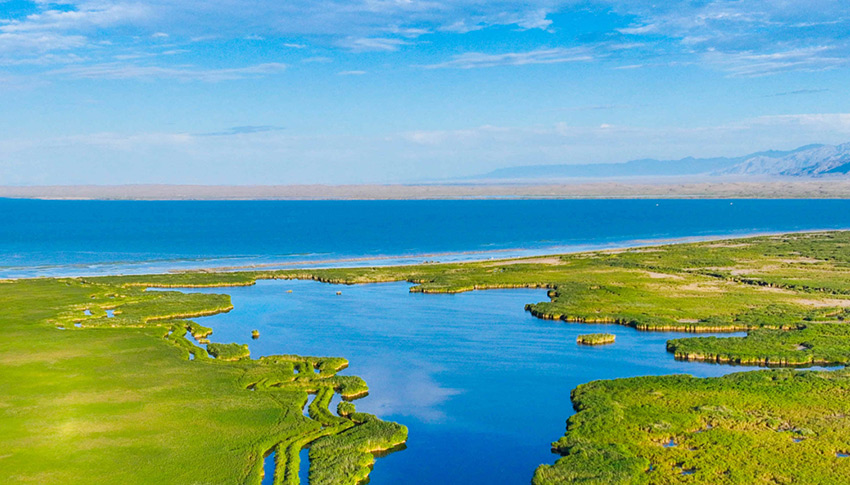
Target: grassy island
x=98, y=373
x=596, y=339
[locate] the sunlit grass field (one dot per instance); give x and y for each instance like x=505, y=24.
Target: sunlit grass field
x=99, y=399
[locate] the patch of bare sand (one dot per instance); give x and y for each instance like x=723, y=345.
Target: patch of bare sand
x=773, y=289
x=801, y=259
x=826, y=303
x=703, y=287
x=662, y=276
x=546, y=260
x=711, y=268
x=745, y=271
x=727, y=245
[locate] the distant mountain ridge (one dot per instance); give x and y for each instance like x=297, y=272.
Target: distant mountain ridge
x=812, y=162
x=806, y=161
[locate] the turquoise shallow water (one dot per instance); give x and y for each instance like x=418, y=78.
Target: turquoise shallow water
x=483, y=386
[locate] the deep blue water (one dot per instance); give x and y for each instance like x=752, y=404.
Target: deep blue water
x=483, y=386
x=97, y=237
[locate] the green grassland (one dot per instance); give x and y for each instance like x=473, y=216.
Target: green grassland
x=89, y=398
x=107, y=391
x=779, y=426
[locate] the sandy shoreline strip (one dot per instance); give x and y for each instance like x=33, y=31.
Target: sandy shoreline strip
x=543, y=255
x=546, y=253
x=770, y=189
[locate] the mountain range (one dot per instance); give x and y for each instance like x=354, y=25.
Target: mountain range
x=806, y=161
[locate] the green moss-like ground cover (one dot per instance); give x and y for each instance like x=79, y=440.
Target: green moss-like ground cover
x=100, y=399
x=779, y=426
x=596, y=338
x=116, y=385
x=815, y=343
x=228, y=351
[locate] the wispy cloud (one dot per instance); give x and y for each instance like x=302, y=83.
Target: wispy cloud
x=797, y=92
x=317, y=60
x=373, y=44
x=751, y=38
x=180, y=73
x=556, y=55
x=744, y=38
x=752, y=64
x=85, y=16
x=242, y=130
x=26, y=43
x=597, y=107
x=351, y=73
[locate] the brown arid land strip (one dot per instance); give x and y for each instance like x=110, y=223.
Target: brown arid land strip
x=822, y=189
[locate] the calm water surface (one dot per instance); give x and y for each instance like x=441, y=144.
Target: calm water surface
x=49, y=238
x=483, y=386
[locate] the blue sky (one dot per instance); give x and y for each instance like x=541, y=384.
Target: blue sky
x=377, y=91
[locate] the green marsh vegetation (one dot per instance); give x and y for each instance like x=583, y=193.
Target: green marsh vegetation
x=107, y=390
x=772, y=426
x=116, y=399
x=596, y=338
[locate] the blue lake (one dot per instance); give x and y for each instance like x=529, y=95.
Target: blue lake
x=483, y=386
x=45, y=238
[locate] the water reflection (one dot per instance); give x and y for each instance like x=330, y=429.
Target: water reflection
x=483, y=386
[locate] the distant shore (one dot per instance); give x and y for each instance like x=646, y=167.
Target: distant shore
x=785, y=189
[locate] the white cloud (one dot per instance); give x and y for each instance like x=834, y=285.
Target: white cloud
x=87, y=15
x=180, y=73
x=373, y=44
x=26, y=43
x=351, y=73
x=317, y=60
x=556, y=55
x=750, y=64
x=536, y=19
x=735, y=36
x=744, y=38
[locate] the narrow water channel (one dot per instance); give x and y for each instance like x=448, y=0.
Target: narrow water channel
x=268, y=469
